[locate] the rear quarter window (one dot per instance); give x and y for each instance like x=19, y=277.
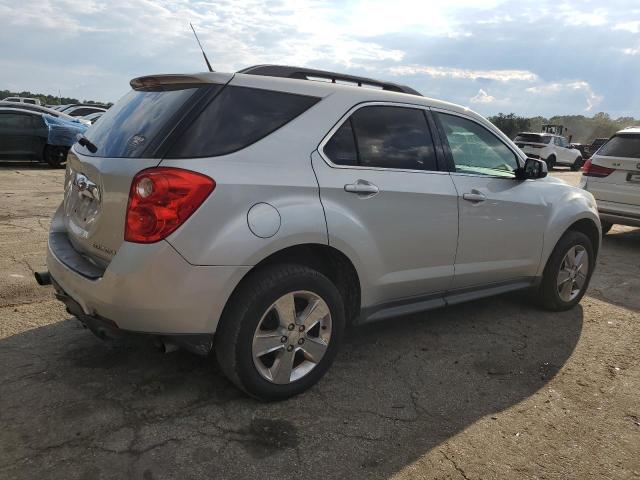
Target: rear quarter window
x=236, y=118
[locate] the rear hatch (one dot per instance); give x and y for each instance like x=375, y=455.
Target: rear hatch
x=131, y=136
x=618, y=163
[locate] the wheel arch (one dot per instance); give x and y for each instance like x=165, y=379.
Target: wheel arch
x=328, y=260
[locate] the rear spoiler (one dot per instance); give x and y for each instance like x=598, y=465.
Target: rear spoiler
x=178, y=81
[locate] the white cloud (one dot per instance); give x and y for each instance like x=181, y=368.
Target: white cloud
x=482, y=97
x=591, y=98
x=460, y=73
x=633, y=27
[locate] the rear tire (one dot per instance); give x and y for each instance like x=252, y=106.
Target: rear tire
x=56, y=156
x=577, y=165
x=263, y=348
x=563, y=284
x=551, y=162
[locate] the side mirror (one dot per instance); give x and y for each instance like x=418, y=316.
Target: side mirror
x=533, y=168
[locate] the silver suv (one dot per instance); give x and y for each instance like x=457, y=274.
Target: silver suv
x=256, y=214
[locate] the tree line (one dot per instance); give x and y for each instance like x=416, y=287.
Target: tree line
x=49, y=99
x=581, y=129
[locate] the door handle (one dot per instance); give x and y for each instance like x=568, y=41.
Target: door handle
x=362, y=187
x=474, y=197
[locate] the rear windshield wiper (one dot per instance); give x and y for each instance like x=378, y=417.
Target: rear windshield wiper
x=85, y=142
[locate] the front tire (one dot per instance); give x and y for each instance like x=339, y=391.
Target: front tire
x=280, y=332
x=567, y=273
x=551, y=162
x=577, y=165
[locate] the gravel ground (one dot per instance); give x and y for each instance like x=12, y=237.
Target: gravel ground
x=491, y=389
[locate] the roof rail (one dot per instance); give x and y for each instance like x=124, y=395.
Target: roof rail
x=302, y=73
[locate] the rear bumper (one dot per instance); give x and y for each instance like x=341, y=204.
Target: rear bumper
x=619, y=213
x=147, y=289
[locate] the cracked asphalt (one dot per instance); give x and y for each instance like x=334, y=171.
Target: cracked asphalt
x=491, y=389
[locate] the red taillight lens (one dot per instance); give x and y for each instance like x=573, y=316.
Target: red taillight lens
x=161, y=199
x=591, y=170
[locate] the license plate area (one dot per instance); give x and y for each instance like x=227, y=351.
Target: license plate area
x=633, y=177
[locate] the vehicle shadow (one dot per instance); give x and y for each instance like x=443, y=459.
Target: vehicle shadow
x=615, y=277
x=29, y=164
x=74, y=407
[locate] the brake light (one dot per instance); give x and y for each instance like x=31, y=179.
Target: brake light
x=591, y=170
x=161, y=199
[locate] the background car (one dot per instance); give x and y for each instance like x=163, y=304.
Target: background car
x=92, y=117
x=82, y=110
x=594, y=146
x=31, y=101
x=47, y=110
x=31, y=135
x=553, y=149
x=612, y=175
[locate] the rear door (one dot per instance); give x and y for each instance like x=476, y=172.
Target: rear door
x=502, y=220
x=386, y=202
x=22, y=135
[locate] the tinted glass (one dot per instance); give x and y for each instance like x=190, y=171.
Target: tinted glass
x=236, y=118
x=475, y=149
x=127, y=128
x=622, y=146
x=81, y=112
x=530, y=137
x=393, y=137
x=12, y=120
x=341, y=149
x=33, y=102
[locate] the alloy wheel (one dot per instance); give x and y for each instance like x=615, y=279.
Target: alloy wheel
x=573, y=273
x=292, y=337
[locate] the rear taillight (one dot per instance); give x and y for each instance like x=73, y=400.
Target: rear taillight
x=591, y=170
x=161, y=199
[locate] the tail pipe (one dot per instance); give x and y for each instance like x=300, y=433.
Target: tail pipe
x=43, y=278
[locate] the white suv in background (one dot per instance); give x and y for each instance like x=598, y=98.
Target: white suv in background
x=612, y=176
x=553, y=149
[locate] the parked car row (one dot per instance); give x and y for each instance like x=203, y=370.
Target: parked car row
x=36, y=134
x=31, y=131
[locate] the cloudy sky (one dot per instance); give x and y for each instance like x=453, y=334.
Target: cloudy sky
x=540, y=57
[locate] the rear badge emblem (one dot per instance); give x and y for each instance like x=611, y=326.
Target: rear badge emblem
x=136, y=141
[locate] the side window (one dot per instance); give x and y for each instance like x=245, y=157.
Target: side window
x=236, y=118
x=475, y=149
x=341, y=149
x=384, y=137
x=10, y=120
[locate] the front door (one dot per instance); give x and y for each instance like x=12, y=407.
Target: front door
x=387, y=205
x=502, y=220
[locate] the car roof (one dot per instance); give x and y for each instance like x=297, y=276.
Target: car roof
x=310, y=86
x=633, y=130
x=20, y=110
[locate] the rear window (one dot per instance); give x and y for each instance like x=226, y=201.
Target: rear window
x=236, y=118
x=621, y=146
x=532, y=138
x=128, y=128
